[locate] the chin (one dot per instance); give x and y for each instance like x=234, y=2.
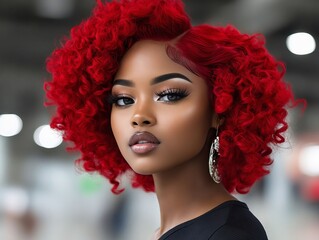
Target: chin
x=144, y=168
x=143, y=171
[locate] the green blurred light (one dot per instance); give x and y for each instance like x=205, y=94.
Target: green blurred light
x=90, y=183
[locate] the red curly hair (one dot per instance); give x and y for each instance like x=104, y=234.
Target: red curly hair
x=245, y=82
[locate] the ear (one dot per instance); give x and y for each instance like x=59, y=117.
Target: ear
x=217, y=121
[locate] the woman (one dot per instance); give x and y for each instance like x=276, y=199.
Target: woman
x=189, y=111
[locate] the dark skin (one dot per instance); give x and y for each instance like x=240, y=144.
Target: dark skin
x=195, y=196
x=153, y=94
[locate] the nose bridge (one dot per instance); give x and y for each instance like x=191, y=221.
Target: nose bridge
x=143, y=113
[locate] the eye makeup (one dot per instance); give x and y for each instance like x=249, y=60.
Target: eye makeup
x=171, y=95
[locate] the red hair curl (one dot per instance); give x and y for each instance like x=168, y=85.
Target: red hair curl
x=248, y=94
x=246, y=85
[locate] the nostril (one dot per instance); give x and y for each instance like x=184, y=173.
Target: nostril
x=141, y=123
x=142, y=120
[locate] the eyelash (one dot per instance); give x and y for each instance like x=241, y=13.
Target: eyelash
x=176, y=92
x=114, y=99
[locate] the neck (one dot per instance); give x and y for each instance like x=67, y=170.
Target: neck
x=186, y=192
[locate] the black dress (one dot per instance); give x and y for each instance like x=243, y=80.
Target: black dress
x=231, y=220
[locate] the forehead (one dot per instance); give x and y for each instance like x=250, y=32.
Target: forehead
x=148, y=57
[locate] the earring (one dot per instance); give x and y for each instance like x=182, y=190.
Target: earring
x=212, y=162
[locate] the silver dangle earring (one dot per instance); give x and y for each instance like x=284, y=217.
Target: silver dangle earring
x=212, y=162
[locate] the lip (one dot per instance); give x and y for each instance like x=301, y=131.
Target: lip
x=143, y=142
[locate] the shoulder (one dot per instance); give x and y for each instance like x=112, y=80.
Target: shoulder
x=231, y=220
x=239, y=224
x=229, y=232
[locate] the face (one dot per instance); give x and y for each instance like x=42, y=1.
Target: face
x=161, y=113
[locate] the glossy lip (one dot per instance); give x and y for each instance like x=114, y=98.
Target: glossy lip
x=143, y=142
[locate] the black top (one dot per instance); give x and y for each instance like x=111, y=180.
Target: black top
x=231, y=220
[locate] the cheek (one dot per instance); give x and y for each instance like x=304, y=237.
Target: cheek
x=118, y=121
x=188, y=126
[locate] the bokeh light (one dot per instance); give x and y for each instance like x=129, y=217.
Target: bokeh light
x=46, y=137
x=309, y=160
x=10, y=125
x=301, y=43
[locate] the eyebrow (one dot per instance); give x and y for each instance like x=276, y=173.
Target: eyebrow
x=156, y=80
x=168, y=76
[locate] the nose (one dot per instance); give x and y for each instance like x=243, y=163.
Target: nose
x=143, y=116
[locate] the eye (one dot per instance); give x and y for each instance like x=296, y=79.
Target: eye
x=172, y=95
x=122, y=101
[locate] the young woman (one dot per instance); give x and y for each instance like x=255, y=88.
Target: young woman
x=189, y=111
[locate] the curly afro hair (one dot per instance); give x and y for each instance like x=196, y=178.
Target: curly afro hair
x=245, y=81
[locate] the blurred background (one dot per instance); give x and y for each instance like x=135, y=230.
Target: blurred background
x=43, y=196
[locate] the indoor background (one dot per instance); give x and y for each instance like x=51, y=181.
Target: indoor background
x=43, y=196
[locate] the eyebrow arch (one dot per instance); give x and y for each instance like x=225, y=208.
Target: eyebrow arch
x=168, y=76
x=156, y=80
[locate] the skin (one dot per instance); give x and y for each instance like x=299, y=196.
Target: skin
x=180, y=118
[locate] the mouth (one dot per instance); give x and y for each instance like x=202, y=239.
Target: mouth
x=143, y=142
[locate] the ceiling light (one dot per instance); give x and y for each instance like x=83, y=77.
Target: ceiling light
x=309, y=160
x=10, y=125
x=46, y=137
x=301, y=43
